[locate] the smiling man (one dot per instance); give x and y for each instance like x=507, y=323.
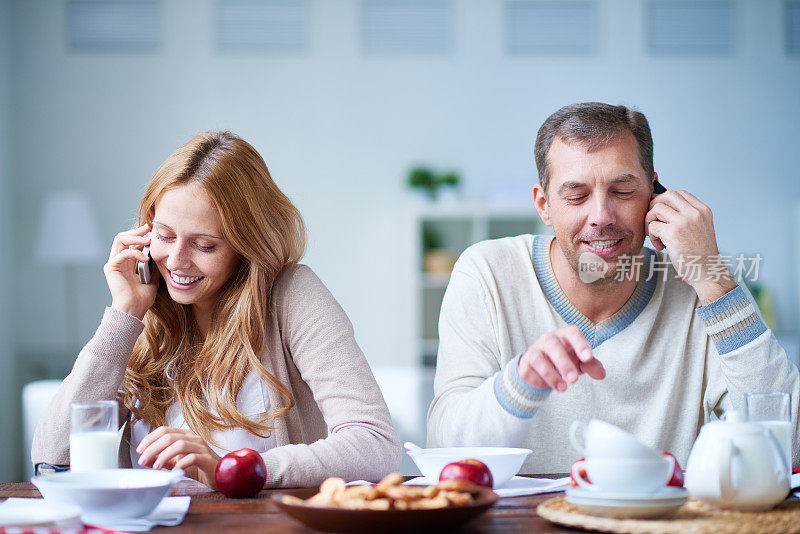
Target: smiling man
x=538, y=331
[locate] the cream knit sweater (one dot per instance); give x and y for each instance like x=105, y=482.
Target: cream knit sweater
x=339, y=426
x=669, y=363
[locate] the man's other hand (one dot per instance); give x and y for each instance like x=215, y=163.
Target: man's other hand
x=678, y=221
x=558, y=358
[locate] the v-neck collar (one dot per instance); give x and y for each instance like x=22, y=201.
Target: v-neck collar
x=595, y=333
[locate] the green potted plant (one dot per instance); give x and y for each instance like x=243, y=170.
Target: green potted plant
x=423, y=180
x=430, y=183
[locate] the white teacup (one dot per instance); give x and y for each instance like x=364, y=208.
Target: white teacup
x=624, y=475
x=604, y=440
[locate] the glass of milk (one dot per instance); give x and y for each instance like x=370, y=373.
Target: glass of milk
x=93, y=438
x=774, y=412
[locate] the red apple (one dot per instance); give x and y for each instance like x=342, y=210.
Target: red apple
x=582, y=472
x=677, y=475
x=470, y=470
x=241, y=473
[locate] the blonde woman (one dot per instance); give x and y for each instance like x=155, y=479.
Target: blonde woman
x=233, y=343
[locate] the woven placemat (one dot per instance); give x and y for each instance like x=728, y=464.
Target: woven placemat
x=693, y=517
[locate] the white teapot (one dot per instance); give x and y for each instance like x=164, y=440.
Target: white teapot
x=734, y=464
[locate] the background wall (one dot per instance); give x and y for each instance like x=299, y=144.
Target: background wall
x=9, y=414
x=340, y=128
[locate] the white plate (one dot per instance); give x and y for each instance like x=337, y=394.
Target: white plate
x=632, y=506
x=16, y=512
x=516, y=487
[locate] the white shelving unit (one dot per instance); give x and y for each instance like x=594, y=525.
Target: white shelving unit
x=453, y=228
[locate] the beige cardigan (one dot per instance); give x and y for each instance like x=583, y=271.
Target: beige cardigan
x=339, y=426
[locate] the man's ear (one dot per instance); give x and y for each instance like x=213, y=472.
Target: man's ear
x=540, y=201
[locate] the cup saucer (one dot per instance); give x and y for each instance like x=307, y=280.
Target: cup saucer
x=667, y=493
x=627, y=505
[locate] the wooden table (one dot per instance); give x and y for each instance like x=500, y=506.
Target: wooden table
x=210, y=511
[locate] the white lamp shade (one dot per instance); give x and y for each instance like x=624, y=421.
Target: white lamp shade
x=68, y=233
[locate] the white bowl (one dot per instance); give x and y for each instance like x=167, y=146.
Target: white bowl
x=503, y=462
x=108, y=494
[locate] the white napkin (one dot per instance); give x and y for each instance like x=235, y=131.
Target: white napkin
x=517, y=486
x=170, y=512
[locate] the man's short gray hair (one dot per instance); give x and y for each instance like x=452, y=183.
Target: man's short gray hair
x=592, y=125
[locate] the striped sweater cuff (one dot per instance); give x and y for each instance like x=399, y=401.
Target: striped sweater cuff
x=732, y=321
x=517, y=397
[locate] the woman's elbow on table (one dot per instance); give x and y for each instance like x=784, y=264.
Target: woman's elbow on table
x=390, y=453
x=377, y=453
x=45, y=449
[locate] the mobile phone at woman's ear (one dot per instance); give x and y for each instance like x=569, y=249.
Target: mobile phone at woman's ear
x=146, y=268
x=658, y=188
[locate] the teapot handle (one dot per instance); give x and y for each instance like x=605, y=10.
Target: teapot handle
x=728, y=451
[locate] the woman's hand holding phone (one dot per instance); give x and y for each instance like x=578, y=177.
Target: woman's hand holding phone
x=128, y=293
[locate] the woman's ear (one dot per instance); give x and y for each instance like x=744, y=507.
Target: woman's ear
x=540, y=201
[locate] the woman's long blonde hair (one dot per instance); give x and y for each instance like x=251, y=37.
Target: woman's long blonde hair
x=171, y=361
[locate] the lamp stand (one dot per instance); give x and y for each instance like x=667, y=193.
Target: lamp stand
x=69, y=307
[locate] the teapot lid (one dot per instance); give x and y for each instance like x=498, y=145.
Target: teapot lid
x=734, y=422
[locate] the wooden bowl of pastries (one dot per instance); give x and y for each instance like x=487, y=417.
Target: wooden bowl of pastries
x=389, y=506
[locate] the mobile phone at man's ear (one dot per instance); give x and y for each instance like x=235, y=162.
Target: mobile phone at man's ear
x=658, y=188
x=146, y=268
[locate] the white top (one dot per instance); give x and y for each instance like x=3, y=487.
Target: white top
x=252, y=401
